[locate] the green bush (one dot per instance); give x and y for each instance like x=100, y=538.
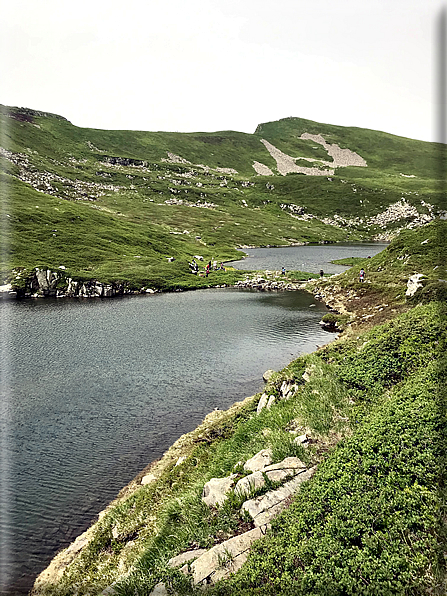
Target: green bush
x=369, y=522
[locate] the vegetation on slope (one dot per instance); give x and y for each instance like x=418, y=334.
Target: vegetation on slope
x=114, y=205
x=370, y=521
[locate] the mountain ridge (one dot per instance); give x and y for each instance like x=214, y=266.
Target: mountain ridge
x=155, y=196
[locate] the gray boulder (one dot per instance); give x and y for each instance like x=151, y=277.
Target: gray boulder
x=215, y=490
x=249, y=483
x=264, y=508
x=268, y=373
x=225, y=558
x=259, y=461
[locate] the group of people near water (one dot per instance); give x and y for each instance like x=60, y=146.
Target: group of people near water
x=210, y=266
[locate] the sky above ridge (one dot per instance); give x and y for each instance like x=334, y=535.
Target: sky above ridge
x=209, y=65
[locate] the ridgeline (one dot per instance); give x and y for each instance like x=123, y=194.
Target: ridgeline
x=130, y=209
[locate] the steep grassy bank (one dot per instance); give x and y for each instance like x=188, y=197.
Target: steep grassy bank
x=370, y=521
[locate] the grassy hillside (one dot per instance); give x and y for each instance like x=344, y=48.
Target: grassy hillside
x=371, y=521
x=116, y=204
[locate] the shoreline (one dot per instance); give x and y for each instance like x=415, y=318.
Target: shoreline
x=152, y=472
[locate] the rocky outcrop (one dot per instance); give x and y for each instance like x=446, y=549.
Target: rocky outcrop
x=259, y=461
x=264, y=508
x=273, y=472
x=265, y=284
x=48, y=283
x=54, y=184
x=215, y=490
x=23, y=114
x=414, y=283
x=124, y=161
x=7, y=291
x=225, y=558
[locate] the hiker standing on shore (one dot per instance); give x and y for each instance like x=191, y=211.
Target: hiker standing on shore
x=362, y=275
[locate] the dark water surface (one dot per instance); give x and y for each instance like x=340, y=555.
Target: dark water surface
x=306, y=258
x=94, y=390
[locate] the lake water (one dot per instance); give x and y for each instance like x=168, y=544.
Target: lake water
x=94, y=390
x=310, y=258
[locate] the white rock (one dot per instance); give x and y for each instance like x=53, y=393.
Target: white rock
x=289, y=463
x=215, y=490
x=262, y=403
x=414, y=283
x=249, y=483
x=148, y=479
x=267, y=375
x=301, y=440
x=264, y=508
x=271, y=401
x=225, y=558
x=259, y=461
x=186, y=557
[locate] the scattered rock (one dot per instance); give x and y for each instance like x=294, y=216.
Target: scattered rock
x=215, y=490
x=259, y=461
x=264, y=508
x=268, y=374
x=225, y=558
x=414, y=283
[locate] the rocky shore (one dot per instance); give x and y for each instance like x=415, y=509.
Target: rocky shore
x=45, y=283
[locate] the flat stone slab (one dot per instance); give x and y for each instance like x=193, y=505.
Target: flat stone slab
x=225, y=558
x=289, y=463
x=185, y=557
x=290, y=466
x=259, y=461
x=264, y=508
x=215, y=490
x=262, y=403
x=249, y=483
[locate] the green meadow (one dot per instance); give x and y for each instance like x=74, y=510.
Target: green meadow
x=115, y=205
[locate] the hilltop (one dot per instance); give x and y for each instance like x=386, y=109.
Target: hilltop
x=356, y=434
x=132, y=208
